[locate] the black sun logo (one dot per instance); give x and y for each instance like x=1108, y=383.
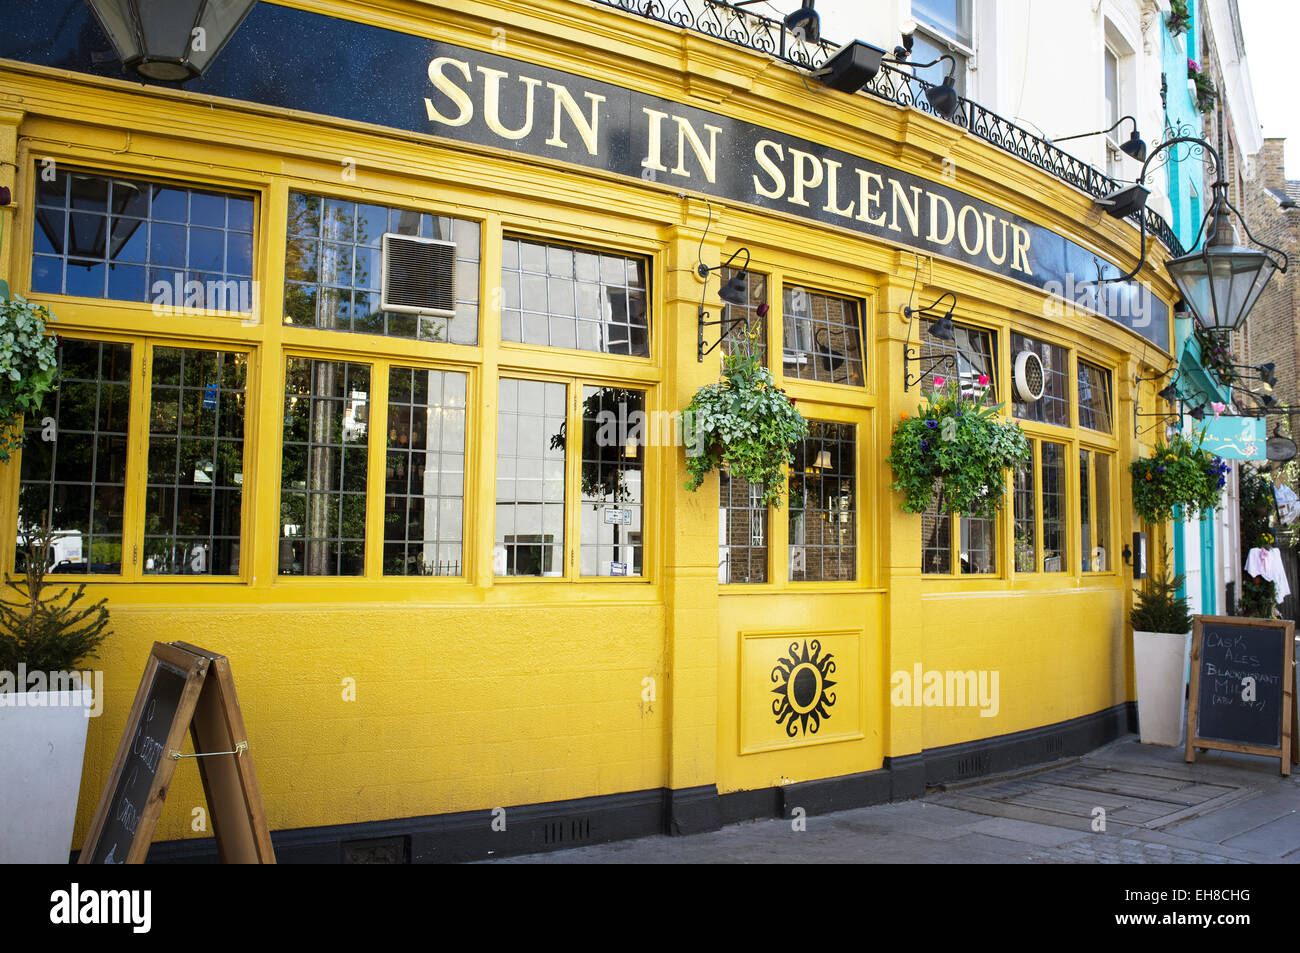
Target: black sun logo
x=802, y=689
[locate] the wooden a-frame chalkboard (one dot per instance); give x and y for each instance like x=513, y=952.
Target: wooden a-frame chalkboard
x=1242, y=687
x=183, y=687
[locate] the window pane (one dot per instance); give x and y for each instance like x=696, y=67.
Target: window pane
x=1101, y=547
x=1094, y=398
x=323, y=477
x=333, y=266
x=1024, y=506
x=822, y=338
x=567, y=297
x=755, y=293
x=1053, y=406
x=76, y=479
x=936, y=537
x=952, y=18
x=978, y=546
x=424, y=473
x=530, y=478
x=927, y=49
x=1085, y=511
x=613, y=454
x=742, y=530
x=970, y=355
x=1054, y=507
x=196, y=462
x=120, y=238
x=823, y=514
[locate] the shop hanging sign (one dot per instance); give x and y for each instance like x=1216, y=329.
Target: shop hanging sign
x=318, y=64
x=1236, y=438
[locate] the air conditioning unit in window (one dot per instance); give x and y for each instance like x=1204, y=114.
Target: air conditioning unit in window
x=1030, y=377
x=418, y=276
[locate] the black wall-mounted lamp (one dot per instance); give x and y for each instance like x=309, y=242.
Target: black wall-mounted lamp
x=1133, y=147
x=851, y=67
x=735, y=291
x=941, y=330
x=805, y=23
x=173, y=41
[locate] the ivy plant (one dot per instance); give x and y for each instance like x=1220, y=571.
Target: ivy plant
x=958, y=442
x=28, y=363
x=743, y=423
x=1180, y=473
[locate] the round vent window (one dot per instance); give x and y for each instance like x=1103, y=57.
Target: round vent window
x=1031, y=380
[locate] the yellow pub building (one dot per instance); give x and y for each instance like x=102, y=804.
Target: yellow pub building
x=456, y=628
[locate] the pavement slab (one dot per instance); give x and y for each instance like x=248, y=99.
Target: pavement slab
x=1222, y=809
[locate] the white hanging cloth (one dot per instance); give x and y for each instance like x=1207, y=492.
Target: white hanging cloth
x=1268, y=564
x=1288, y=504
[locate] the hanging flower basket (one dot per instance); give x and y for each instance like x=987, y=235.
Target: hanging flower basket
x=1180, y=17
x=1206, y=93
x=956, y=440
x=1178, y=474
x=1217, y=356
x=743, y=423
x=28, y=363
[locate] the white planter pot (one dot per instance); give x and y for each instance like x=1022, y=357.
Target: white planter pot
x=1160, y=660
x=42, y=747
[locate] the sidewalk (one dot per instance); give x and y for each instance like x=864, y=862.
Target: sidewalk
x=1224, y=809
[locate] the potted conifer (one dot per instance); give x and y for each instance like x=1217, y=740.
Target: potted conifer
x=45, y=706
x=1162, y=641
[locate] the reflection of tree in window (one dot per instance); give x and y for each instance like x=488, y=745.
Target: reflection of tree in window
x=333, y=265
x=613, y=447
x=73, y=475
x=323, y=483
x=195, y=468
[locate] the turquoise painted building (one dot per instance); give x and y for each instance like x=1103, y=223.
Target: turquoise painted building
x=1195, y=554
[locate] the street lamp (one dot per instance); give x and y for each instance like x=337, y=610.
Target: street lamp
x=170, y=40
x=1222, y=281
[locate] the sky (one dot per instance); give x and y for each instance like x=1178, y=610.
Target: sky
x=1269, y=29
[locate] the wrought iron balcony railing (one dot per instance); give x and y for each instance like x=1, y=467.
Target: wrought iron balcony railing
x=719, y=19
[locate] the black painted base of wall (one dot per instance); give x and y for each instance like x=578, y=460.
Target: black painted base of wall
x=533, y=828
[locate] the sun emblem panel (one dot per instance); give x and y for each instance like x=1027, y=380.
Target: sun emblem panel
x=799, y=688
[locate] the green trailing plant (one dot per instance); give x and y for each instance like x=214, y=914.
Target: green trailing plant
x=47, y=630
x=1159, y=608
x=1180, y=17
x=1180, y=473
x=958, y=445
x=1258, y=597
x=1206, y=93
x=744, y=423
x=28, y=364
x=1255, y=507
x=1217, y=356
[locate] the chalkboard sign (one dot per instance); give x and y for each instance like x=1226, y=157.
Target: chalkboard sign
x=1242, y=687
x=184, y=688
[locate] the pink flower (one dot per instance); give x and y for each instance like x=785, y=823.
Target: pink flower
x=938, y=382
x=984, y=380
x=1218, y=408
